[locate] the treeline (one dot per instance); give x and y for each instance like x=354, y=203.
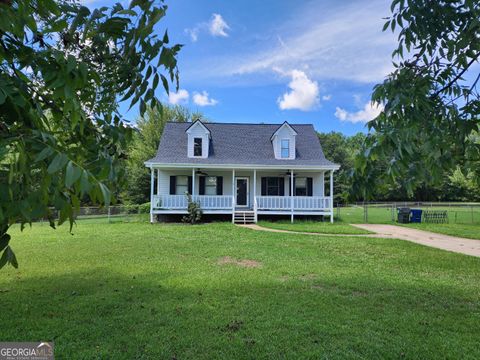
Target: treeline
x=458, y=185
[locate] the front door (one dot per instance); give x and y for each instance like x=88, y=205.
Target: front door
x=242, y=191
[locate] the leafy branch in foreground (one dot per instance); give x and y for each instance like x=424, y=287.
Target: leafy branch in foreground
x=430, y=124
x=63, y=71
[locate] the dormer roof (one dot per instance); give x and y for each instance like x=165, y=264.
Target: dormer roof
x=196, y=123
x=286, y=125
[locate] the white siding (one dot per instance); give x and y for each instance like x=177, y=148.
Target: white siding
x=318, y=186
x=284, y=133
x=197, y=131
x=165, y=180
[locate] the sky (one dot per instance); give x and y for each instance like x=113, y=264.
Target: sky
x=274, y=61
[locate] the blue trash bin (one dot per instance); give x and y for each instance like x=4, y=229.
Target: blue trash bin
x=416, y=215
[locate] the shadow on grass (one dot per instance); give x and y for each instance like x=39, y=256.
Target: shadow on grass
x=100, y=314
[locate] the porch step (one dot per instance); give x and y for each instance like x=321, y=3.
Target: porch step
x=244, y=217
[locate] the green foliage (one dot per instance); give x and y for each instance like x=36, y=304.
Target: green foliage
x=341, y=149
x=137, y=209
x=194, y=211
x=63, y=71
x=461, y=187
x=430, y=122
x=144, y=146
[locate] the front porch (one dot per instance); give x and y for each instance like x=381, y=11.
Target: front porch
x=246, y=192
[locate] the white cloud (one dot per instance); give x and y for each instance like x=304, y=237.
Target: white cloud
x=303, y=94
x=203, y=99
x=193, y=33
x=369, y=112
x=343, y=42
x=179, y=97
x=217, y=26
x=327, y=97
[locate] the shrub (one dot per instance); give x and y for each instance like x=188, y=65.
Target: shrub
x=194, y=211
x=144, y=208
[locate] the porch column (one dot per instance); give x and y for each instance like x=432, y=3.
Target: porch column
x=331, y=196
x=158, y=181
x=193, y=182
x=291, y=195
x=152, y=180
x=254, y=184
x=234, y=196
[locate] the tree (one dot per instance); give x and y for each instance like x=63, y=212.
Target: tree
x=144, y=146
x=341, y=149
x=430, y=121
x=63, y=71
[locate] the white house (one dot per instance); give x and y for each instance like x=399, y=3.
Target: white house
x=243, y=170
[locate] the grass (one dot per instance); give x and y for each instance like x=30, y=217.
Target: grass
x=314, y=227
x=470, y=231
x=141, y=291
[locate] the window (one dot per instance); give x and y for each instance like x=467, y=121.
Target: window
x=273, y=186
x=285, y=152
x=301, y=186
x=197, y=147
x=182, y=185
x=210, y=185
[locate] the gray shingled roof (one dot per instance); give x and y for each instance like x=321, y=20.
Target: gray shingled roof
x=239, y=144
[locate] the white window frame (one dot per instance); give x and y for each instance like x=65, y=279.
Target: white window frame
x=201, y=146
x=209, y=186
x=301, y=187
x=285, y=148
x=181, y=186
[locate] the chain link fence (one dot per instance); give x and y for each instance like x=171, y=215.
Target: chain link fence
x=111, y=214
x=386, y=212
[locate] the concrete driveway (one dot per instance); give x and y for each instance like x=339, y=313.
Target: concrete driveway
x=440, y=241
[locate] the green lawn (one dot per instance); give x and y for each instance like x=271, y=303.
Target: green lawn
x=314, y=227
x=471, y=231
x=216, y=291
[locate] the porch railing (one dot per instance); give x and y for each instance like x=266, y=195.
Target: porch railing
x=220, y=202
x=310, y=202
x=299, y=202
x=273, y=203
x=207, y=202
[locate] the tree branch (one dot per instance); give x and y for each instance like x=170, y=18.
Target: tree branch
x=458, y=76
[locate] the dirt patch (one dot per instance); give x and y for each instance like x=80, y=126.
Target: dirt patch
x=234, y=326
x=307, y=277
x=239, y=262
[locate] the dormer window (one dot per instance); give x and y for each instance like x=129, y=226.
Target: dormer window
x=198, y=140
x=283, y=142
x=197, y=146
x=285, y=150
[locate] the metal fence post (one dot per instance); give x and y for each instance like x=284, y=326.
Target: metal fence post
x=109, y=214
